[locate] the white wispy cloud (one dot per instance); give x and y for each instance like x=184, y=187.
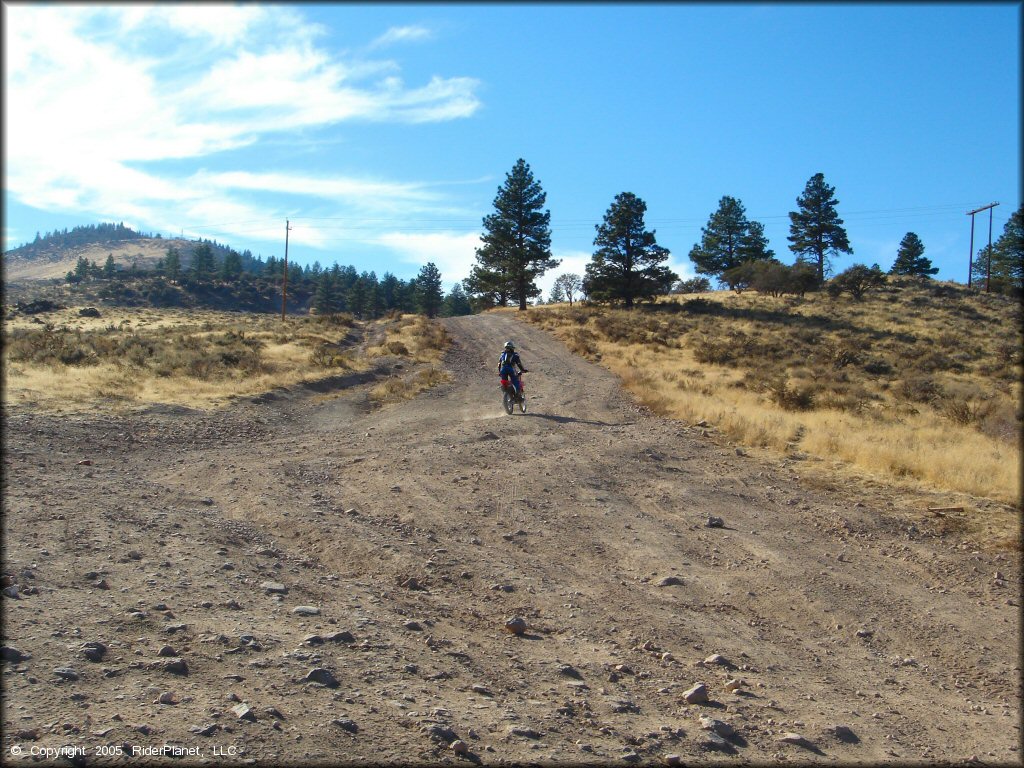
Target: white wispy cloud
x=97, y=95
x=453, y=253
x=402, y=35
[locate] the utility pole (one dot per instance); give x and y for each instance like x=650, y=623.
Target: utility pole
x=284, y=284
x=970, y=255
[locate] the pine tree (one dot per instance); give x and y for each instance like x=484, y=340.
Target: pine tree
x=231, y=267
x=429, y=295
x=910, y=258
x=516, y=241
x=172, y=263
x=815, y=230
x=456, y=303
x=390, y=291
x=203, y=262
x=327, y=298
x=109, y=267
x=729, y=239
x=628, y=264
x=754, y=244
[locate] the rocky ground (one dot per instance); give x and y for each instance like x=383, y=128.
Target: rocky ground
x=303, y=579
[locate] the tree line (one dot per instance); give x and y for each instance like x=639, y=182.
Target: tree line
x=628, y=265
x=331, y=290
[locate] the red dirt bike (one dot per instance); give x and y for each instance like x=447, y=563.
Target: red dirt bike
x=511, y=396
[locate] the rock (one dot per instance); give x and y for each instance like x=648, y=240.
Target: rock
x=733, y=685
x=321, y=676
x=176, y=666
x=413, y=626
x=244, y=712
x=793, y=738
x=696, y=695
x=713, y=741
x=274, y=588
x=345, y=724
x=482, y=690
x=306, y=610
x=715, y=522
x=569, y=671
x=459, y=747
x=502, y=588
x=340, y=637
x=66, y=673
x=672, y=759
x=411, y=583
x=670, y=581
x=167, y=697
x=516, y=625
x=205, y=730
x=312, y=640
x=522, y=730
x=93, y=651
x=865, y=633
x=89, y=312
x=10, y=653
x=718, y=726
x=167, y=651
x=12, y=592
x=719, y=659
x=845, y=734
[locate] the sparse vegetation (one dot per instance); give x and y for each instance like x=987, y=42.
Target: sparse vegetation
x=915, y=382
x=65, y=361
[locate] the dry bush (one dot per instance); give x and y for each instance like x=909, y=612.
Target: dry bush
x=791, y=397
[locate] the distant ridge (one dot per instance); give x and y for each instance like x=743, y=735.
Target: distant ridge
x=54, y=254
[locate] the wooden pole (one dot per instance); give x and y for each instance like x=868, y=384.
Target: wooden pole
x=284, y=283
x=970, y=255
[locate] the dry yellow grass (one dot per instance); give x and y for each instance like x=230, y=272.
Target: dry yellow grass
x=201, y=359
x=423, y=341
x=902, y=387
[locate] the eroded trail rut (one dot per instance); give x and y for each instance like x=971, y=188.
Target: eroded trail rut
x=420, y=528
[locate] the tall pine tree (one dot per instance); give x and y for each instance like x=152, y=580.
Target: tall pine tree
x=815, y=230
x=628, y=263
x=910, y=258
x=516, y=241
x=428, y=291
x=729, y=239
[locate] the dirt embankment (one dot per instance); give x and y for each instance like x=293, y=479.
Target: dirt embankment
x=305, y=579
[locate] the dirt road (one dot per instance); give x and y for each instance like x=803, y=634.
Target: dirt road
x=221, y=559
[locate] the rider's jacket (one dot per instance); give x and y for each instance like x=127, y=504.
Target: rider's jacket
x=508, y=361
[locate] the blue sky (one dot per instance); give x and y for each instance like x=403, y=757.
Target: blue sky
x=382, y=131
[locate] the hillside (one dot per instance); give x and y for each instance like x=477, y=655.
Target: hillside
x=304, y=577
x=917, y=384
x=52, y=256
x=52, y=263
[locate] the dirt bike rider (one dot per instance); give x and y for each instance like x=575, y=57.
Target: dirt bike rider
x=507, y=364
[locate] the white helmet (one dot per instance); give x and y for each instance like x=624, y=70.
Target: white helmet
x=510, y=345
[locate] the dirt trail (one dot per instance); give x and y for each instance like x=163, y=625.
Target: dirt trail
x=420, y=528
